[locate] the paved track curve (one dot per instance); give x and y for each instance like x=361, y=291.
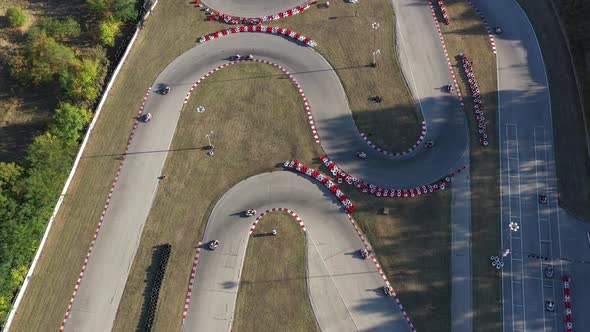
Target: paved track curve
x=346, y=291
x=252, y=8
x=99, y=294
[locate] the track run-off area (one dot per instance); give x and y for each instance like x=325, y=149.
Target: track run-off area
x=346, y=292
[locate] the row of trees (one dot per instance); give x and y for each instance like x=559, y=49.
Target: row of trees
x=56, y=57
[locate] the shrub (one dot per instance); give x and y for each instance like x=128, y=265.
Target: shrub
x=68, y=121
x=16, y=17
x=80, y=82
x=60, y=29
x=41, y=59
x=109, y=30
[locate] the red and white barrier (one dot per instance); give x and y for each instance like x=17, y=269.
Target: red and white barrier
x=477, y=101
x=397, y=154
x=290, y=212
x=443, y=10
x=567, y=301
x=450, y=65
x=365, y=187
x=486, y=24
x=191, y=282
x=381, y=272
x=260, y=28
x=229, y=19
x=101, y=219
x=281, y=68
x=296, y=165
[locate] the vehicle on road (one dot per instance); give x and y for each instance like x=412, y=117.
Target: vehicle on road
x=213, y=244
x=364, y=253
x=498, y=30
x=549, y=272
x=543, y=199
x=146, y=117
x=250, y=212
x=550, y=306
x=361, y=155
x=429, y=144
x=165, y=90
x=449, y=88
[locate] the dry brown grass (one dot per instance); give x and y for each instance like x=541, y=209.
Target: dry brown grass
x=176, y=25
x=273, y=294
x=467, y=35
x=195, y=181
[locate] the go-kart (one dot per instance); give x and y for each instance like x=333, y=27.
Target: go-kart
x=364, y=253
x=250, y=212
x=361, y=155
x=213, y=244
x=388, y=290
x=165, y=90
x=146, y=117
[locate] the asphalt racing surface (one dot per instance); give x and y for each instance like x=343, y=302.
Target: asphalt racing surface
x=345, y=286
x=346, y=291
x=99, y=294
x=548, y=236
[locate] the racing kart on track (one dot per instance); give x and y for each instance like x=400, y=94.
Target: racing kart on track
x=250, y=212
x=364, y=253
x=213, y=244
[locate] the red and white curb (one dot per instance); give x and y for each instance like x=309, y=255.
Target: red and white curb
x=567, y=301
x=381, y=272
x=290, y=212
x=260, y=28
x=444, y=46
x=281, y=68
x=365, y=187
x=443, y=10
x=486, y=24
x=101, y=219
x=191, y=282
x=398, y=154
x=229, y=19
x=299, y=167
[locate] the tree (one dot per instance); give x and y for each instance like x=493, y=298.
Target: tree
x=124, y=10
x=109, y=30
x=60, y=30
x=99, y=8
x=41, y=59
x=16, y=17
x=80, y=81
x=68, y=121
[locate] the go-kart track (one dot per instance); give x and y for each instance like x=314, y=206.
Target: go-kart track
x=346, y=292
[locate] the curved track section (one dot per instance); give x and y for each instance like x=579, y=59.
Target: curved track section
x=346, y=291
x=97, y=297
x=252, y=8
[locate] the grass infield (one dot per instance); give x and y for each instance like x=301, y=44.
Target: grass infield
x=273, y=293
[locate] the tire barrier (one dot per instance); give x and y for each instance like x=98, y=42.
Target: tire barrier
x=398, y=154
x=381, y=272
x=443, y=10
x=477, y=102
x=486, y=24
x=290, y=212
x=567, y=301
x=191, y=282
x=260, y=28
x=229, y=19
x=164, y=255
x=104, y=211
x=365, y=187
x=281, y=68
x=296, y=165
x=444, y=47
